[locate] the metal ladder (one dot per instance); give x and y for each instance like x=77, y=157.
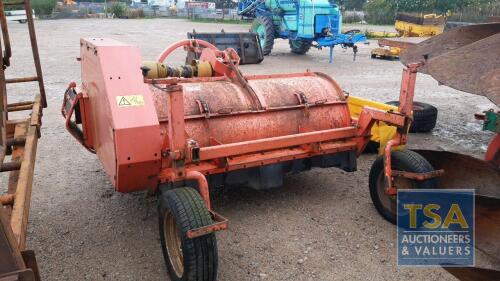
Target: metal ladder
x=19, y=139
x=34, y=46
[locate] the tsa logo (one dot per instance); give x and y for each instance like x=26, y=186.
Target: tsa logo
x=436, y=227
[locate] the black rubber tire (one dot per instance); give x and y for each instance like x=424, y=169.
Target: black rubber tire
x=267, y=22
x=402, y=160
x=371, y=147
x=200, y=258
x=299, y=46
x=424, y=116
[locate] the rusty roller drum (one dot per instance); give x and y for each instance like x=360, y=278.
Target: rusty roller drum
x=226, y=112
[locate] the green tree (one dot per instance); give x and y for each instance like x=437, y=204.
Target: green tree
x=352, y=4
x=43, y=7
x=119, y=9
x=226, y=4
x=437, y=6
x=384, y=11
x=380, y=11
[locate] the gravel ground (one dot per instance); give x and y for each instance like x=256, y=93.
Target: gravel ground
x=320, y=226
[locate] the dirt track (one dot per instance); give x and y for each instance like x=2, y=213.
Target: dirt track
x=320, y=226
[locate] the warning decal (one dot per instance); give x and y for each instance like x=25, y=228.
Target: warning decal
x=130, y=100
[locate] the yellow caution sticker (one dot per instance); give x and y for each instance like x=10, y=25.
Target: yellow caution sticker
x=130, y=100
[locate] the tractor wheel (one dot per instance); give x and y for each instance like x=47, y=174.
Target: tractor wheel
x=402, y=160
x=264, y=27
x=299, y=46
x=424, y=117
x=180, y=210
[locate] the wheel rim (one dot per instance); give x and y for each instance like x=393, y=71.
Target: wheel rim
x=389, y=202
x=173, y=244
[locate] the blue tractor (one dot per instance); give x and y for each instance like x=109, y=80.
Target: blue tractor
x=305, y=23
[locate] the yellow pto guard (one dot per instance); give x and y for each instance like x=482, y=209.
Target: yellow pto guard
x=381, y=132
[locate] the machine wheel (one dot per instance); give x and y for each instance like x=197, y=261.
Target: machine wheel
x=196, y=259
x=402, y=160
x=424, y=116
x=353, y=31
x=23, y=21
x=299, y=46
x=264, y=27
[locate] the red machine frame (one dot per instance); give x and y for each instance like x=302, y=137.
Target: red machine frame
x=182, y=159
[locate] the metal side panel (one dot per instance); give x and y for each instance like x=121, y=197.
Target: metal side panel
x=125, y=124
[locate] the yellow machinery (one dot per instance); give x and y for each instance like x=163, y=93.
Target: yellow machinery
x=389, y=52
x=381, y=34
x=381, y=52
x=381, y=132
x=411, y=25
